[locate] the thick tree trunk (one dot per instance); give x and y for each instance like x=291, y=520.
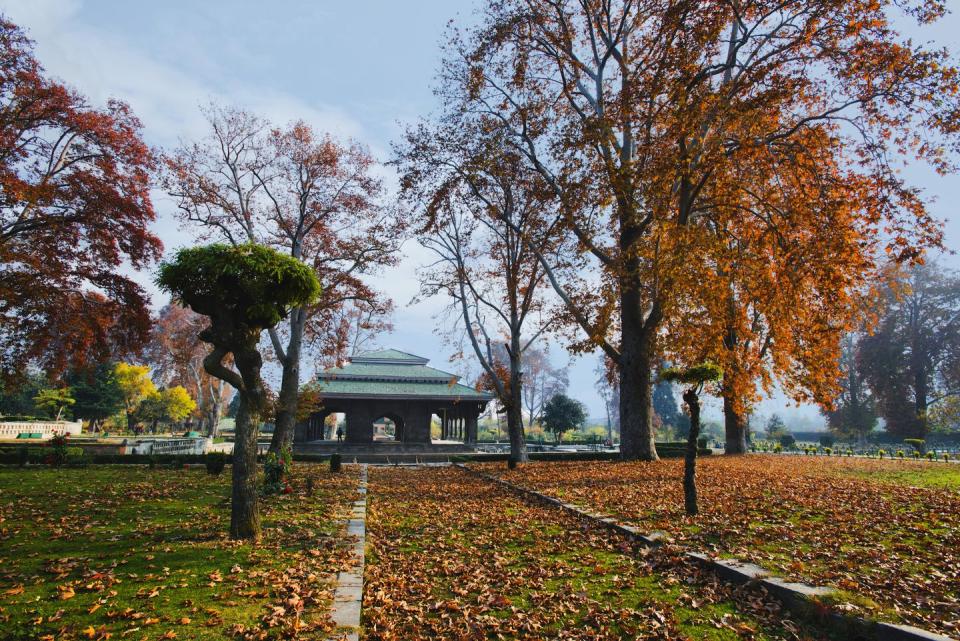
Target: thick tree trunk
x=735, y=425
x=690, y=459
x=289, y=386
x=245, y=513
x=636, y=376
x=518, y=443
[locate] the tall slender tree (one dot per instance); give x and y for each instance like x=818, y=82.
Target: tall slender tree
x=651, y=122
x=485, y=225
x=303, y=194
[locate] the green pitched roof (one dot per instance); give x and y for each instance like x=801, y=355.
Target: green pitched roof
x=393, y=373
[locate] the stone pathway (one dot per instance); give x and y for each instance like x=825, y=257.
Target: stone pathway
x=348, y=596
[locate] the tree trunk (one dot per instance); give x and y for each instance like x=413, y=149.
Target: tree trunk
x=245, y=513
x=518, y=443
x=690, y=459
x=289, y=386
x=735, y=425
x=636, y=376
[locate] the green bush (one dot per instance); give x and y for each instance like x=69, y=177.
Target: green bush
x=881, y=453
x=276, y=469
x=777, y=448
x=215, y=462
x=918, y=444
x=828, y=451
x=931, y=456
x=915, y=454
x=900, y=454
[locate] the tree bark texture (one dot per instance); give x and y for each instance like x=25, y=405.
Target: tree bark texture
x=735, y=426
x=286, y=418
x=692, y=400
x=518, y=442
x=636, y=376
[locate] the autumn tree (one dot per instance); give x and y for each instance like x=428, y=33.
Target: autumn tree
x=243, y=290
x=694, y=379
x=676, y=129
x=909, y=361
x=74, y=207
x=135, y=385
x=170, y=405
x=176, y=353
x=300, y=193
x=484, y=224
x=853, y=414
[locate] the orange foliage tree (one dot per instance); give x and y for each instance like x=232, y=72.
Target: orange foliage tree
x=664, y=129
x=74, y=206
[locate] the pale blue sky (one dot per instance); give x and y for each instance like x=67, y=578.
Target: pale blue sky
x=352, y=68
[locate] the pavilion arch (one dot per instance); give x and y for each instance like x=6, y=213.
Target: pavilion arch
x=397, y=421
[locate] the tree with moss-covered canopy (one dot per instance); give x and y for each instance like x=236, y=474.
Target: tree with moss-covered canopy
x=243, y=290
x=693, y=379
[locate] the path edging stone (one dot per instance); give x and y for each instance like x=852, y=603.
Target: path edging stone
x=801, y=599
x=348, y=595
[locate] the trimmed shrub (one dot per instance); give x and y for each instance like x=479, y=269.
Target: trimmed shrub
x=215, y=462
x=931, y=456
x=900, y=453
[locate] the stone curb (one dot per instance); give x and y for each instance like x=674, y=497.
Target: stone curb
x=801, y=599
x=348, y=595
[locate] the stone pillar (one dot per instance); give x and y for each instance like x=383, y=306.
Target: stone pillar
x=471, y=435
x=443, y=426
x=359, y=427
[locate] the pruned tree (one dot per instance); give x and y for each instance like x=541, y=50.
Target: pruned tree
x=484, y=222
x=74, y=207
x=300, y=193
x=694, y=379
x=243, y=290
x=674, y=129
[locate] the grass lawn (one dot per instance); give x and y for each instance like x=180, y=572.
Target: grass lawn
x=133, y=553
x=451, y=556
x=888, y=531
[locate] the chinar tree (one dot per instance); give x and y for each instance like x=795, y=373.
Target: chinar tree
x=242, y=290
x=693, y=379
x=653, y=120
x=484, y=218
x=304, y=194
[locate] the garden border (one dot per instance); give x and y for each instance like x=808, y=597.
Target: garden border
x=801, y=599
x=348, y=595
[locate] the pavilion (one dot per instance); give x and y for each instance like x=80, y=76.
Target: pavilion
x=398, y=386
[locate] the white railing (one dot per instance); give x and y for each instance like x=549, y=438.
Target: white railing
x=12, y=429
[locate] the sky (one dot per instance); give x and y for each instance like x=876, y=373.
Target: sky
x=359, y=69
